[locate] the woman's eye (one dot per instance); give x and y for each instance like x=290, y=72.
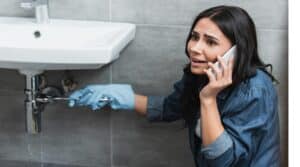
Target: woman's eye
x=211, y=42
x=194, y=37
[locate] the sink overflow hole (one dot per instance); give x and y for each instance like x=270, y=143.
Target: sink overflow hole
x=37, y=34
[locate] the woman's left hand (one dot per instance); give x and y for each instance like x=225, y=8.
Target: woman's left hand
x=218, y=81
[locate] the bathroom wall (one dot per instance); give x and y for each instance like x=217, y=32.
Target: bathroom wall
x=151, y=63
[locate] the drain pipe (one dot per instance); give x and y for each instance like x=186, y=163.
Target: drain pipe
x=37, y=96
x=32, y=110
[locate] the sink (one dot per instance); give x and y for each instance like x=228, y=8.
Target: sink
x=60, y=44
x=32, y=48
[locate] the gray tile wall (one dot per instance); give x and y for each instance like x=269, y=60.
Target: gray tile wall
x=151, y=63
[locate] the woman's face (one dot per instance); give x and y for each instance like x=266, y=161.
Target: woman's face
x=206, y=43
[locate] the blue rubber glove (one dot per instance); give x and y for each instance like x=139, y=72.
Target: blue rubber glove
x=121, y=96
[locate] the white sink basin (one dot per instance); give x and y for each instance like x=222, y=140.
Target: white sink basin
x=61, y=44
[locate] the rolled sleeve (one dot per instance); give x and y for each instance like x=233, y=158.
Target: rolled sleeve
x=166, y=109
x=218, y=147
x=154, y=108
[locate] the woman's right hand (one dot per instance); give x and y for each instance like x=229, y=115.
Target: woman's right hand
x=121, y=96
x=219, y=79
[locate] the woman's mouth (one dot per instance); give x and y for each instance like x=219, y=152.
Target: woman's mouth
x=196, y=62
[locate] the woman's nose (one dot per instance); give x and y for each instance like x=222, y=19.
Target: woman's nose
x=197, y=47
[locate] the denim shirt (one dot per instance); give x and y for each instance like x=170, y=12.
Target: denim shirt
x=249, y=115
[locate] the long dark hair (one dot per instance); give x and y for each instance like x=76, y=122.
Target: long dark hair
x=239, y=28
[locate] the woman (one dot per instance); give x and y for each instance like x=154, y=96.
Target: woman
x=231, y=111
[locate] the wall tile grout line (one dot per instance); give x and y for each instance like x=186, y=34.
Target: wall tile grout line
x=111, y=141
x=161, y=25
x=110, y=11
x=110, y=80
x=188, y=26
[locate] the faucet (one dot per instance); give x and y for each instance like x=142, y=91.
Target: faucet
x=41, y=9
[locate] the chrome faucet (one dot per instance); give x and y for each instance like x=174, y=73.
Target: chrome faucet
x=41, y=9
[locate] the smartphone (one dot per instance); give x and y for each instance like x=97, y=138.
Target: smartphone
x=227, y=56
